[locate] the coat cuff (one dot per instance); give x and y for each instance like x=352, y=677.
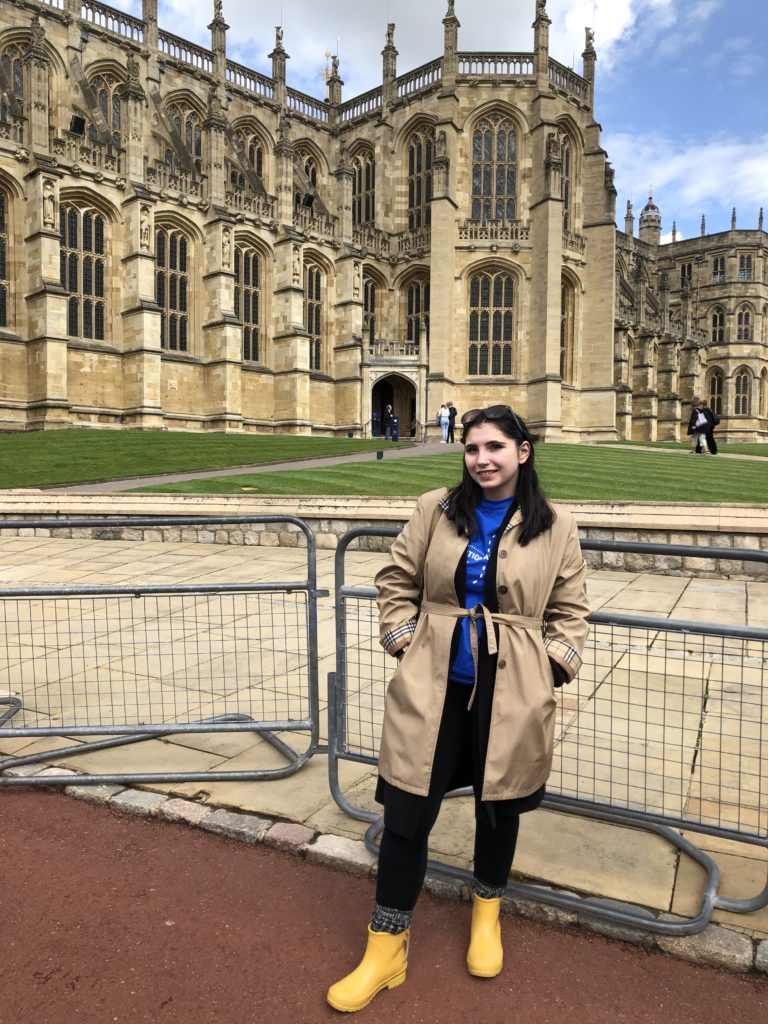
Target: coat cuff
x=394, y=639
x=565, y=656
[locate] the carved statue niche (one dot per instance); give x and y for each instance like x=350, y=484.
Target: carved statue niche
x=49, y=204
x=226, y=248
x=38, y=33
x=144, y=228
x=296, y=264
x=133, y=67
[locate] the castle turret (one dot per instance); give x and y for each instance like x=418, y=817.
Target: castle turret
x=650, y=223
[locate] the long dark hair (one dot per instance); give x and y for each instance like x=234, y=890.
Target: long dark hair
x=463, y=499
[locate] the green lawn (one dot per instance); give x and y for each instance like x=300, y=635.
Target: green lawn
x=737, y=448
x=567, y=471
x=87, y=456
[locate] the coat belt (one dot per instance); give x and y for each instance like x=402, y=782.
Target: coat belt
x=474, y=614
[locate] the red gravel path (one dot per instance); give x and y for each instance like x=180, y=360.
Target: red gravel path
x=106, y=918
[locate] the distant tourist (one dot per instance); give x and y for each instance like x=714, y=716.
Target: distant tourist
x=389, y=420
x=712, y=421
x=698, y=426
x=484, y=606
x=443, y=421
x=451, y=422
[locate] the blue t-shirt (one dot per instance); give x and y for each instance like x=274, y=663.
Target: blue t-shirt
x=489, y=516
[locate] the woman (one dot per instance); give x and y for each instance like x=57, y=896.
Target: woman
x=483, y=604
x=443, y=421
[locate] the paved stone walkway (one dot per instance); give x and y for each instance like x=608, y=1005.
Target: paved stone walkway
x=670, y=722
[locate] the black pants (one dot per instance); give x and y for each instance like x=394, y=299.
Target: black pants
x=403, y=860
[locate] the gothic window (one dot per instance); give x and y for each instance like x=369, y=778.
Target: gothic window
x=494, y=169
x=742, y=383
x=4, y=282
x=106, y=89
x=718, y=270
x=717, y=332
x=306, y=161
x=172, y=249
x=744, y=324
x=256, y=155
x=567, y=310
x=82, y=264
x=716, y=383
x=420, y=152
x=253, y=147
x=491, y=322
x=187, y=124
x=11, y=80
x=686, y=273
x=745, y=268
x=417, y=310
x=763, y=396
x=566, y=183
x=363, y=189
x=764, y=325
x=313, y=313
x=248, y=300
x=369, y=309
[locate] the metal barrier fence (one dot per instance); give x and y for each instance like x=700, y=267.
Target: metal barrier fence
x=664, y=729
x=135, y=662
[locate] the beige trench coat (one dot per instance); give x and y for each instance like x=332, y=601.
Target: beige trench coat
x=543, y=581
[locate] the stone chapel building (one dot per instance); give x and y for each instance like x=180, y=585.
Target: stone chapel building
x=188, y=244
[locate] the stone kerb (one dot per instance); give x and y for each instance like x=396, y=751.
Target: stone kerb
x=737, y=526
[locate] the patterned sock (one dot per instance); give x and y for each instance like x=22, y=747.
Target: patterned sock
x=487, y=892
x=390, y=919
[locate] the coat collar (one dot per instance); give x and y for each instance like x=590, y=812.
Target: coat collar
x=516, y=519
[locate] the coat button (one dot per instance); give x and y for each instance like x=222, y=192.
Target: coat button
x=502, y=664
x=503, y=590
x=502, y=554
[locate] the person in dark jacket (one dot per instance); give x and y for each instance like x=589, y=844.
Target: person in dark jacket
x=451, y=422
x=709, y=434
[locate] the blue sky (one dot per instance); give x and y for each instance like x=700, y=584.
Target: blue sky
x=680, y=91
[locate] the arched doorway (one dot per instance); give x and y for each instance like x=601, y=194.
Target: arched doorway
x=400, y=393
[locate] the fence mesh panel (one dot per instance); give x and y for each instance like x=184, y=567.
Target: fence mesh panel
x=119, y=660
x=659, y=721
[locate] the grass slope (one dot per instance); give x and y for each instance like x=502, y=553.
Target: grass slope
x=735, y=448
x=87, y=456
x=566, y=471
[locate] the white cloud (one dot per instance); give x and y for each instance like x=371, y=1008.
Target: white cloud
x=690, y=178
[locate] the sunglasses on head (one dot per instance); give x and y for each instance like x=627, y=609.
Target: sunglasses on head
x=492, y=412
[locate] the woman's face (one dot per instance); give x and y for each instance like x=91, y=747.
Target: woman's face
x=493, y=460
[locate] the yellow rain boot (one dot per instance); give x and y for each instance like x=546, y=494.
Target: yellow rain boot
x=485, y=957
x=383, y=966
